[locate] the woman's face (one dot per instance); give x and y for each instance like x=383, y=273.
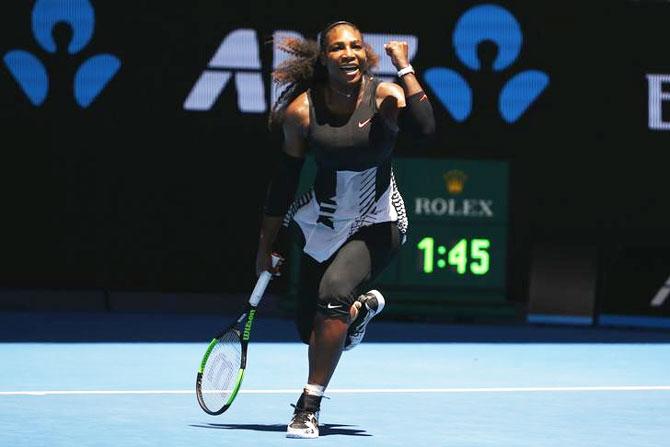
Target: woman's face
x=344, y=57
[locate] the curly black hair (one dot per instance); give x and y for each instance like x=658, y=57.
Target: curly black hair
x=304, y=70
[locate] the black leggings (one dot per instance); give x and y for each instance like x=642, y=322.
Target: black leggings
x=332, y=286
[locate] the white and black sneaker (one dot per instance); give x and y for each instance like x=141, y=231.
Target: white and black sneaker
x=305, y=420
x=372, y=303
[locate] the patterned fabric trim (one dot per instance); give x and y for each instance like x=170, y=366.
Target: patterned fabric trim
x=399, y=205
x=296, y=205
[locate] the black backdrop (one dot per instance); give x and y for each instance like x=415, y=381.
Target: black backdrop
x=134, y=192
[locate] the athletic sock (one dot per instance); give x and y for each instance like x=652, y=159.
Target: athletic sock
x=314, y=389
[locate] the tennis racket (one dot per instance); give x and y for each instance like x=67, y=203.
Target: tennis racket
x=222, y=367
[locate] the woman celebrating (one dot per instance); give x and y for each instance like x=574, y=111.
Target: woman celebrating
x=353, y=221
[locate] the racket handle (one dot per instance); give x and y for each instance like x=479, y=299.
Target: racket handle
x=276, y=260
x=263, y=281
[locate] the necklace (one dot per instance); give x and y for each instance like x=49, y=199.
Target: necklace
x=346, y=95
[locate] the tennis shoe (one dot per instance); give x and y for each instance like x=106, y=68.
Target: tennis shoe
x=371, y=304
x=305, y=421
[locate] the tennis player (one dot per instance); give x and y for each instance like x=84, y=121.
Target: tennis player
x=353, y=221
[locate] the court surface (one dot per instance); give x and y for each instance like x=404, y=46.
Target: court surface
x=383, y=394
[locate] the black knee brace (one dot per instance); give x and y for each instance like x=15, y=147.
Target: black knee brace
x=334, y=301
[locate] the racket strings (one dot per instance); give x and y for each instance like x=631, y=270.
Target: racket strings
x=221, y=370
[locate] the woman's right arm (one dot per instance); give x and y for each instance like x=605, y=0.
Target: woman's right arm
x=284, y=183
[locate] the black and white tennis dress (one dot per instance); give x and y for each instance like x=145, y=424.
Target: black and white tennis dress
x=354, y=185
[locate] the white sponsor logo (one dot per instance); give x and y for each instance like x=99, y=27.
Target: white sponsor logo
x=424, y=206
x=363, y=123
x=662, y=295
x=238, y=58
x=656, y=98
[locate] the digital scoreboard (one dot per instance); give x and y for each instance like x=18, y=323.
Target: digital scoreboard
x=453, y=255
x=457, y=237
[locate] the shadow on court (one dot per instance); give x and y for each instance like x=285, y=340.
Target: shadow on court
x=324, y=429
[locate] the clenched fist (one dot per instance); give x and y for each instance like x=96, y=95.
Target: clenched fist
x=399, y=53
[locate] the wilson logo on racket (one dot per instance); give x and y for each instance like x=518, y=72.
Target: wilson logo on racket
x=247, y=327
x=222, y=368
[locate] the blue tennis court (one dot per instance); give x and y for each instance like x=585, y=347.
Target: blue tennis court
x=458, y=393
x=493, y=167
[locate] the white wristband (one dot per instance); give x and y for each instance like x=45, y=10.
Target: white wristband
x=407, y=70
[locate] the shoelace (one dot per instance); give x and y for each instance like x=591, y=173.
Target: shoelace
x=302, y=413
x=359, y=322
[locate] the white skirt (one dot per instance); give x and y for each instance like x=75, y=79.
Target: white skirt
x=326, y=226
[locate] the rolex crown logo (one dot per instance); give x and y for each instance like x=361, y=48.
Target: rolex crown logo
x=454, y=181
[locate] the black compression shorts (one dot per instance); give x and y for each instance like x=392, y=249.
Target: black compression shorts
x=331, y=287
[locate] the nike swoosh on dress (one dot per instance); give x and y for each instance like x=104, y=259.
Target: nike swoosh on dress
x=363, y=123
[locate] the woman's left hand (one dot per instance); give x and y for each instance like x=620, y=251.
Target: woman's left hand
x=399, y=53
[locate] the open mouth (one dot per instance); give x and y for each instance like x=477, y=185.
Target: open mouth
x=349, y=69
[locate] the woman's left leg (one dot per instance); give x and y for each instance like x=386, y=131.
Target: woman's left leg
x=339, y=288
x=355, y=263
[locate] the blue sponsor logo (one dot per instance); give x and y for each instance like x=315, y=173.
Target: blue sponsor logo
x=492, y=23
x=31, y=74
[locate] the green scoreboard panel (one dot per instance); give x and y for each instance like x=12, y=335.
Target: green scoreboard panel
x=457, y=238
x=453, y=256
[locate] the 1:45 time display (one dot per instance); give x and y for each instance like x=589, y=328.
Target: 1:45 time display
x=472, y=255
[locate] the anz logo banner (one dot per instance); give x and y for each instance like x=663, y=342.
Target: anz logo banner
x=238, y=58
x=237, y=61
x=495, y=24
x=31, y=74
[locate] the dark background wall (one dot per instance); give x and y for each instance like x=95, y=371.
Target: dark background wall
x=134, y=192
